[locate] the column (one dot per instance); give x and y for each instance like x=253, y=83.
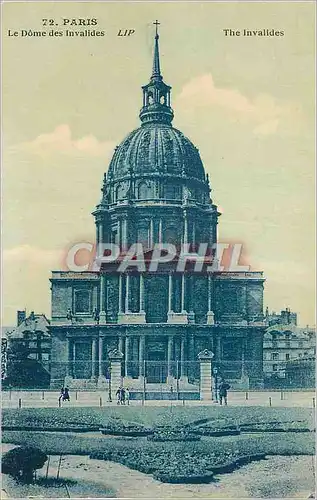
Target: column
x=97, y=232
x=141, y=355
x=151, y=234
x=182, y=356
x=169, y=359
x=141, y=293
x=93, y=358
x=120, y=295
x=185, y=228
x=127, y=356
x=192, y=357
x=100, y=356
x=120, y=343
x=127, y=293
x=124, y=240
x=100, y=231
x=209, y=292
x=102, y=316
x=68, y=358
x=170, y=293
x=193, y=233
x=74, y=359
x=183, y=294
x=119, y=233
x=160, y=231
x=210, y=313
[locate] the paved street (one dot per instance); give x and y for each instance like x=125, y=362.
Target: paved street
x=49, y=399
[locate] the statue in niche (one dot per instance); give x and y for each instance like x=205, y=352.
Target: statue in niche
x=186, y=195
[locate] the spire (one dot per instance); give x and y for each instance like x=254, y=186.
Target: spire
x=156, y=72
x=156, y=94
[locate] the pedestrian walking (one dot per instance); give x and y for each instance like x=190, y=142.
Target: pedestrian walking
x=122, y=399
x=127, y=395
x=61, y=394
x=223, y=392
x=118, y=394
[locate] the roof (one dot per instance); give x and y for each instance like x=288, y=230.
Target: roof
x=33, y=324
x=156, y=148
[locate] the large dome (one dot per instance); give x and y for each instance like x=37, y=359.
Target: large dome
x=154, y=149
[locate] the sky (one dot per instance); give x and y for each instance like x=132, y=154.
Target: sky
x=247, y=103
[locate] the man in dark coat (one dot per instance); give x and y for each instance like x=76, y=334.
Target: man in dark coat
x=223, y=391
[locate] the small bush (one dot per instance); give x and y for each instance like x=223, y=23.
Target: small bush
x=21, y=462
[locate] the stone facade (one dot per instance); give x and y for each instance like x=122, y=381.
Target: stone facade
x=285, y=342
x=156, y=191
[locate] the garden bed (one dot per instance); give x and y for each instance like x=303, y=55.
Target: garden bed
x=51, y=428
x=119, y=427
x=168, y=433
x=151, y=416
x=212, y=432
x=218, y=455
x=295, y=426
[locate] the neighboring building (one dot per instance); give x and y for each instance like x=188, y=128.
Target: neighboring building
x=301, y=372
x=4, y=357
x=156, y=191
x=284, y=342
x=286, y=317
x=32, y=331
x=28, y=352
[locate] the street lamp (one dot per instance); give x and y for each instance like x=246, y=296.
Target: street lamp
x=215, y=372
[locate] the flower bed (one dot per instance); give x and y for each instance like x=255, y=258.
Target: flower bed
x=176, y=466
x=51, y=427
x=173, y=433
x=296, y=426
x=117, y=427
x=212, y=431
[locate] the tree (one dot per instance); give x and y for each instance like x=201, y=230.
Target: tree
x=21, y=462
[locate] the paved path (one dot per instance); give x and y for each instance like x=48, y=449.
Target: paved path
x=49, y=399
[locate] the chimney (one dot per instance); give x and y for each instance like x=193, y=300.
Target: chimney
x=21, y=316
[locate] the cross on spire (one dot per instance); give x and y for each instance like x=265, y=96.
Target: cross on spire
x=156, y=23
x=156, y=72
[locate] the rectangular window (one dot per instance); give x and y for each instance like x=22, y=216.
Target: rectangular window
x=230, y=300
x=275, y=356
x=232, y=350
x=287, y=356
x=274, y=368
x=82, y=301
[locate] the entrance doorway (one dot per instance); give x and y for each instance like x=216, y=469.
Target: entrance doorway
x=156, y=365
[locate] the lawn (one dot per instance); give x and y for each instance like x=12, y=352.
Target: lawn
x=149, y=416
x=171, y=461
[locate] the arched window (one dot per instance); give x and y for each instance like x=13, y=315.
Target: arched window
x=171, y=234
x=143, y=233
x=144, y=191
x=121, y=191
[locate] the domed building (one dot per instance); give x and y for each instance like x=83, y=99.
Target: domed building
x=156, y=191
